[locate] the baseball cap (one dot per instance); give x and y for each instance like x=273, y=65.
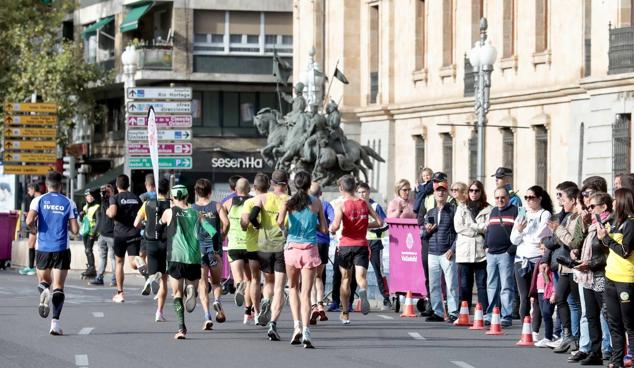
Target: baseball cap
x=502, y=172
x=279, y=177
x=440, y=184
x=439, y=177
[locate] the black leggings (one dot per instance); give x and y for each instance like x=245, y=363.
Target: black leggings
x=425, y=256
x=89, y=242
x=618, y=299
x=523, y=288
x=566, y=286
x=594, y=303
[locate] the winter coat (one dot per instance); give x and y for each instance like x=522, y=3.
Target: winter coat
x=470, y=234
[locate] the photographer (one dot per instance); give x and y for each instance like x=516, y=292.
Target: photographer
x=105, y=242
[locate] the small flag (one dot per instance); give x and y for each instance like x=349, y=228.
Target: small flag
x=339, y=75
x=281, y=69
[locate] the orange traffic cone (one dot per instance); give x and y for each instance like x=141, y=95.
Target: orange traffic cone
x=478, y=319
x=357, y=306
x=496, y=326
x=408, y=308
x=463, y=317
x=527, y=334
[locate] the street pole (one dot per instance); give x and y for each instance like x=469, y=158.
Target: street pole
x=129, y=60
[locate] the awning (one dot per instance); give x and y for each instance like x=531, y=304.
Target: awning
x=93, y=28
x=109, y=176
x=131, y=20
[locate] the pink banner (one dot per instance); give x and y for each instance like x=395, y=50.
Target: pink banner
x=173, y=121
x=406, y=260
x=152, y=140
x=163, y=149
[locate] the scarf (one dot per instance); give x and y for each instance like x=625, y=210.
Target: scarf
x=474, y=209
x=586, y=279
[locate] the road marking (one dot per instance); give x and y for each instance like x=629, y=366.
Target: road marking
x=97, y=314
x=461, y=364
x=5, y=292
x=415, y=336
x=86, y=330
x=79, y=287
x=81, y=360
x=384, y=316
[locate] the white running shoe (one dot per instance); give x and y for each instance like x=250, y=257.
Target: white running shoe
x=535, y=336
x=247, y=318
x=44, y=307
x=190, y=298
x=208, y=325
x=159, y=317
x=118, y=297
x=297, y=336
x=306, y=339
x=554, y=344
x=151, y=284
x=543, y=343
x=56, y=329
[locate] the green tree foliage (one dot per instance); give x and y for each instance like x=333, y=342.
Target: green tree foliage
x=35, y=58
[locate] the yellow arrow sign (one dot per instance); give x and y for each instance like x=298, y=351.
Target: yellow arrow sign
x=30, y=132
x=31, y=120
x=29, y=145
x=28, y=170
x=29, y=157
x=30, y=107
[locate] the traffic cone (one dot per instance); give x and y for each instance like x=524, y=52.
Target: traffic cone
x=463, y=317
x=527, y=334
x=478, y=320
x=408, y=308
x=496, y=326
x=357, y=306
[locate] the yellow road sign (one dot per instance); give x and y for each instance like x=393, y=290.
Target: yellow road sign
x=31, y=120
x=30, y=107
x=29, y=145
x=29, y=157
x=28, y=170
x=30, y=132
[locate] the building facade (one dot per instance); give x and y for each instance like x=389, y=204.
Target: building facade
x=561, y=96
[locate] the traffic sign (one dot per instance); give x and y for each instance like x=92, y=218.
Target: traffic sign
x=30, y=107
x=30, y=132
x=179, y=163
x=28, y=170
x=29, y=157
x=29, y=145
x=154, y=93
x=183, y=107
x=163, y=149
x=171, y=121
x=163, y=135
x=31, y=120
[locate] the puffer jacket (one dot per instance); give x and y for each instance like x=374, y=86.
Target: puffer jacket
x=564, y=239
x=470, y=234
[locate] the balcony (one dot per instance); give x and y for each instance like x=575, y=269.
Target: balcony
x=621, y=52
x=155, y=57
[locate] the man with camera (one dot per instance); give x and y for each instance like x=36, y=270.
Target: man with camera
x=105, y=242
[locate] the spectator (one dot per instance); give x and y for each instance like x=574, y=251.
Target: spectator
x=402, y=206
x=504, y=178
x=425, y=188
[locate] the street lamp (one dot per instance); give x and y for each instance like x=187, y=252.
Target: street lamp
x=130, y=60
x=482, y=56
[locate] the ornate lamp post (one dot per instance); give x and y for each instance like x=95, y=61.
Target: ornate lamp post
x=130, y=61
x=482, y=56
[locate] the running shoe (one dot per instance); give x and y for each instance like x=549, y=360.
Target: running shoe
x=314, y=314
x=220, y=313
x=155, y=285
x=306, y=340
x=190, y=298
x=139, y=262
x=272, y=332
x=265, y=312
x=333, y=307
x=151, y=284
x=97, y=280
x=113, y=282
x=27, y=271
x=146, y=287
x=118, y=297
x=180, y=335
x=159, y=317
x=322, y=316
x=554, y=344
x=239, y=296
x=297, y=336
x=56, y=329
x=30, y=272
x=44, y=307
x=345, y=318
x=256, y=320
x=248, y=316
x=208, y=325
x=543, y=343
x=365, y=304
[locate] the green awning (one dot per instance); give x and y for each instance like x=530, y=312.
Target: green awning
x=131, y=20
x=93, y=28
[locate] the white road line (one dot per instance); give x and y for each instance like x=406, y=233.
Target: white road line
x=97, y=314
x=384, y=316
x=461, y=364
x=80, y=287
x=81, y=360
x=86, y=330
x=416, y=336
x=5, y=292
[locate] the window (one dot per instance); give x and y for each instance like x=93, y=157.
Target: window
x=587, y=36
x=625, y=13
x=508, y=25
x=621, y=147
x=477, y=12
x=581, y=145
x=473, y=155
x=421, y=32
x=541, y=156
x=419, y=153
x=508, y=148
x=448, y=32
x=541, y=25
x=447, y=155
x=374, y=53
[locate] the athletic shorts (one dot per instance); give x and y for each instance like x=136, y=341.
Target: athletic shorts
x=241, y=254
x=143, y=247
x=272, y=262
x=129, y=245
x=354, y=256
x=57, y=260
x=186, y=271
x=323, y=249
x=302, y=255
x=208, y=257
x=156, y=256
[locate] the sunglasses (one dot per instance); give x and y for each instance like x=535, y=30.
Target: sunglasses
x=529, y=197
x=500, y=198
x=455, y=189
x=474, y=190
x=592, y=206
x=406, y=189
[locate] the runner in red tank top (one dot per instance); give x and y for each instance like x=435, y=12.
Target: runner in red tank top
x=353, y=247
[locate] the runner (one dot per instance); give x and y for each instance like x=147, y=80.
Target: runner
x=150, y=193
x=305, y=216
x=33, y=190
x=88, y=230
x=211, y=249
x=323, y=244
x=242, y=250
x=156, y=246
x=271, y=242
x=123, y=208
x=183, y=254
x=353, y=246
x=54, y=213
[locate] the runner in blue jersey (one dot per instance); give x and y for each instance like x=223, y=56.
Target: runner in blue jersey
x=53, y=212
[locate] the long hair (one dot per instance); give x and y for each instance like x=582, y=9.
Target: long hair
x=624, y=206
x=300, y=199
x=546, y=202
x=483, y=196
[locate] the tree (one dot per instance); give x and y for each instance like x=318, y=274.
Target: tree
x=35, y=58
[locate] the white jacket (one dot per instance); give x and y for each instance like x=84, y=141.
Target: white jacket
x=470, y=239
x=528, y=241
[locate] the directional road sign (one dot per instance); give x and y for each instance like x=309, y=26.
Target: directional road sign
x=178, y=163
x=163, y=149
x=30, y=107
x=30, y=120
x=29, y=145
x=163, y=135
x=183, y=107
x=30, y=132
x=154, y=93
x=162, y=121
x=29, y=157
x=28, y=170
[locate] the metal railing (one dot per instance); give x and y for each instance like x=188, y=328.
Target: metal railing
x=621, y=51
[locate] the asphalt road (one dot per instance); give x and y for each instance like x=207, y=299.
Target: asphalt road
x=99, y=333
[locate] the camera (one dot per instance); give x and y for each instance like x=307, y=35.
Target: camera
x=567, y=261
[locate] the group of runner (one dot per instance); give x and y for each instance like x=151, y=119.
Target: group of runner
x=274, y=240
